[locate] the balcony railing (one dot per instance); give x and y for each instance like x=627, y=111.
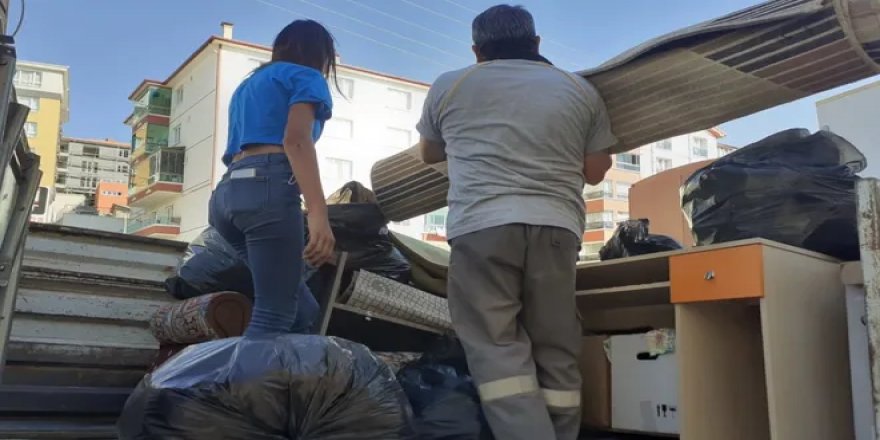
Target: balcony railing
x=152, y=219
x=599, y=225
x=165, y=177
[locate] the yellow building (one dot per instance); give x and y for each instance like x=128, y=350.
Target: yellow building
x=44, y=89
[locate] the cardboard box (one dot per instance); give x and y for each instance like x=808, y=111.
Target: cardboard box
x=644, y=388
x=596, y=388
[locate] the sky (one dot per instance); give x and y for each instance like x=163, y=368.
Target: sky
x=111, y=45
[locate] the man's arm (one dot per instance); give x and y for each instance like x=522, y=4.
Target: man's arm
x=595, y=167
x=432, y=151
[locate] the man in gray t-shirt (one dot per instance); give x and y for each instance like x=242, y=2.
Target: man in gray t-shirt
x=521, y=138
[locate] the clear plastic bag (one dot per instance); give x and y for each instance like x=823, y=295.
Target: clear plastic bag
x=287, y=387
x=793, y=187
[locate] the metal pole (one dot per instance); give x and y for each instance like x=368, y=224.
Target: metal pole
x=869, y=240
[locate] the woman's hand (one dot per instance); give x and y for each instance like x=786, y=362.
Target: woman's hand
x=319, y=249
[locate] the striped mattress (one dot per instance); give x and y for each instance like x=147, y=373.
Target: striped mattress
x=692, y=80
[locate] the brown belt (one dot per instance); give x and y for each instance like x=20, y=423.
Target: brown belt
x=258, y=150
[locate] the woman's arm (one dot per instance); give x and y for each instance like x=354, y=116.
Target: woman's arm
x=300, y=150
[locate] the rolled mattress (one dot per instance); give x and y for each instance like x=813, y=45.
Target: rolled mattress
x=692, y=80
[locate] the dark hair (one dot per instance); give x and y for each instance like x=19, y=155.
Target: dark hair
x=505, y=32
x=307, y=43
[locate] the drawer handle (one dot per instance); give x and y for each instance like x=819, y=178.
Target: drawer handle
x=710, y=275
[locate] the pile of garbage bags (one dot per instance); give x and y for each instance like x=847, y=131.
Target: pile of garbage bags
x=361, y=229
x=632, y=238
x=793, y=187
x=443, y=396
x=286, y=387
x=210, y=264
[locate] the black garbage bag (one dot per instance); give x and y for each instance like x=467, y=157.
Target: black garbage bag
x=443, y=395
x=793, y=187
x=632, y=238
x=287, y=387
x=209, y=265
x=361, y=229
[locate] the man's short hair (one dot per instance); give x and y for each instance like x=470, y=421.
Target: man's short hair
x=503, y=22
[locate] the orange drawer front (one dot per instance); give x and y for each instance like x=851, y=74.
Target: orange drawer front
x=717, y=275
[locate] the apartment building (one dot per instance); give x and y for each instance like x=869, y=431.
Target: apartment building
x=607, y=204
x=853, y=115
x=43, y=88
x=179, y=132
x=83, y=164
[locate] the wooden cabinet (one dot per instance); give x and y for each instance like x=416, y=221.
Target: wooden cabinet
x=761, y=335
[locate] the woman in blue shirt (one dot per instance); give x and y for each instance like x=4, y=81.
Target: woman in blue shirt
x=275, y=117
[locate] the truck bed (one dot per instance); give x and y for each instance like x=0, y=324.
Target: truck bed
x=80, y=337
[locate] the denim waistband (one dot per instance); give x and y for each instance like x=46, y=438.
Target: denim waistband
x=260, y=160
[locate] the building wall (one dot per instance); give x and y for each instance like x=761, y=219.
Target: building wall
x=195, y=115
x=108, y=194
x=853, y=115
x=48, y=116
x=82, y=165
x=377, y=130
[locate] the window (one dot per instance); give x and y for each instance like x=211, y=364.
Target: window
x=403, y=223
x=346, y=85
x=665, y=144
x=622, y=216
x=88, y=166
x=661, y=164
x=399, y=138
x=121, y=168
x=123, y=153
x=399, y=99
x=339, y=169
x=175, y=135
x=700, y=147
x=599, y=191
x=599, y=220
x=339, y=128
x=30, y=101
x=178, y=95
x=28, y=78
x=629, y=161
x=622, y=191
x=30, y=129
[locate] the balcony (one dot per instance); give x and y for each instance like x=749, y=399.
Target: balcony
x=154, y=225
x=593, y=225
x=163, y=183
x=155, y=140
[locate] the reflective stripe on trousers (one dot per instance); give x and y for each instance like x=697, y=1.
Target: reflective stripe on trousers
x=516, y=385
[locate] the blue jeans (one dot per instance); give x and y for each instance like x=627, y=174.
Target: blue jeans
x=257, y=209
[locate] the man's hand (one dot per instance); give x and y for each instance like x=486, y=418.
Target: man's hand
x=595, y=167
x=432, y=152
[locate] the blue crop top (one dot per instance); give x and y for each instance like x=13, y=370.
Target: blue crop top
x=259, y=106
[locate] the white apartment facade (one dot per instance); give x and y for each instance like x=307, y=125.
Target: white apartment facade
x=374, y=119
x=854, y=115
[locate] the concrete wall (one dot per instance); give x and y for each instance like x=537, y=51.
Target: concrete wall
x=94, y=222
x=854, y=115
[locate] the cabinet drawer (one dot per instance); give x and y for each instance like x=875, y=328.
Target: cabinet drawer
x=717, y=275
